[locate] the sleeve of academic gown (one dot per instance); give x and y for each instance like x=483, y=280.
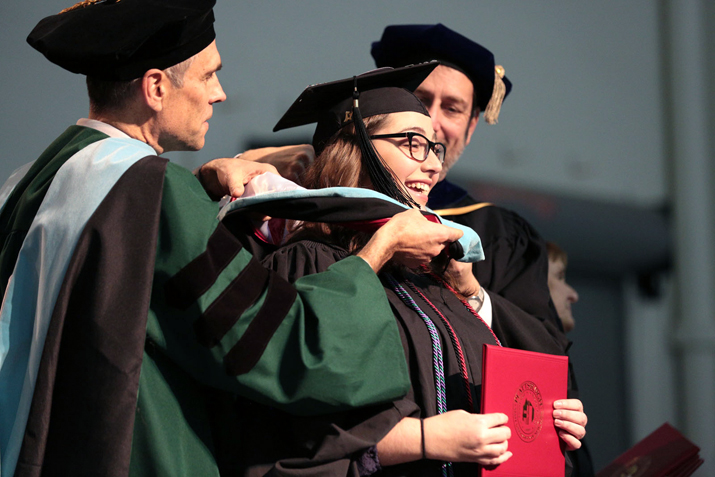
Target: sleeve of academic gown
x=233, y=324
x=278, y=443
x=157, y=293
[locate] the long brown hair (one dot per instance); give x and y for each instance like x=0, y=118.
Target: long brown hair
x=339, y=165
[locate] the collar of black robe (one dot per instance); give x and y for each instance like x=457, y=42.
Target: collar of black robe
x=119, y=40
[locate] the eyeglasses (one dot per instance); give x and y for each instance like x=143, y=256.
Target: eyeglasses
x=417, y=146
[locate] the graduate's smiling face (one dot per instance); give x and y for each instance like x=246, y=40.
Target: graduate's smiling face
x=418, y=177
x=187, y=109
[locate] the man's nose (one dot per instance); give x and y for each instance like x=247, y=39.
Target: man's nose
x=436, y=116
x=573, y=295
x=219, y=94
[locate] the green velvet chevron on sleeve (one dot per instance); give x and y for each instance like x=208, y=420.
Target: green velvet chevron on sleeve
x=325, y=344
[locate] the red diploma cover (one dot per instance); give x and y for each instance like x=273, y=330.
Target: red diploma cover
x=664, y=452
x=524, y=385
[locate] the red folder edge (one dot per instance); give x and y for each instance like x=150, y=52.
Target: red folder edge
x=524, y=385
x=664, y=451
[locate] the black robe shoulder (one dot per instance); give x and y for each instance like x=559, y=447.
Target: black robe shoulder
x=458, y=329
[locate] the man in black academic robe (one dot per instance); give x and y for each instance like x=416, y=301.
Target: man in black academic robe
x=469, y=82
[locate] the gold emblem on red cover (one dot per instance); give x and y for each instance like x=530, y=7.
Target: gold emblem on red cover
x=636, y=467
x=528, y=412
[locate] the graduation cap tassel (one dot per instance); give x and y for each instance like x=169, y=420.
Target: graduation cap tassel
x=491, y=113
x=382, y=178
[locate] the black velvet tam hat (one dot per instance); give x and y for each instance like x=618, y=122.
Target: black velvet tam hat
x=336, y=104
x=121, y=39
x=407, y=44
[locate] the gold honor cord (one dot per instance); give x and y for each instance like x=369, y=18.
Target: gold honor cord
x=462, y=210
x=85, y=3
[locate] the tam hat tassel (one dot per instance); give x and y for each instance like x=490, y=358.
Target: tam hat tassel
x=491, y=113
x=382, y=177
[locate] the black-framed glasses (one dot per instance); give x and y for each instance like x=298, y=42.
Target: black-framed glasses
x=417, y=145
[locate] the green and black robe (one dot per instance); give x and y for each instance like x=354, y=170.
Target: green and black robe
x=132, y=317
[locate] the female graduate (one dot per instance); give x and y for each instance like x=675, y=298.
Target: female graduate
x=373, y=133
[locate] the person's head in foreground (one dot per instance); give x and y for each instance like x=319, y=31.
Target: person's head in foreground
x=150, y=65
x=466, y=82
x=562, y=294
x=372, y=132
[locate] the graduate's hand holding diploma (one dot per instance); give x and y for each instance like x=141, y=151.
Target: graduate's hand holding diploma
x=460, y=436
x=571, y=421
x=455, y=436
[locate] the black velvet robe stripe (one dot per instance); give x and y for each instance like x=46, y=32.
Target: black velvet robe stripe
x=82, y=412
x=200, y=274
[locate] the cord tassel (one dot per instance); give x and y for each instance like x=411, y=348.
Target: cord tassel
x=381, y=176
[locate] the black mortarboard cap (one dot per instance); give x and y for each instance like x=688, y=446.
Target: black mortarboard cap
x=381, y=91
x=121, y=39
x=407, y=44
x=339, y=103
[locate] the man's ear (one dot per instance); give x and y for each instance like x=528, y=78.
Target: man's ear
x=470, y=129
x=154, y=87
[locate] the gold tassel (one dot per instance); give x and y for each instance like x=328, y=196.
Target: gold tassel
x=491, y=113
x=82, y=4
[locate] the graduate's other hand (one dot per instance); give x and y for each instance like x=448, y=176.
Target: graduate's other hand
x=459, y=436
x=463, y=279
x=455, y=436
x=409, y=239
x=290, y=161
x=571, y=421
x=229, y=175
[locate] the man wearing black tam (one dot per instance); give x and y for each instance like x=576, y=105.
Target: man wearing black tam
x=131, y=317
x=469, y=82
